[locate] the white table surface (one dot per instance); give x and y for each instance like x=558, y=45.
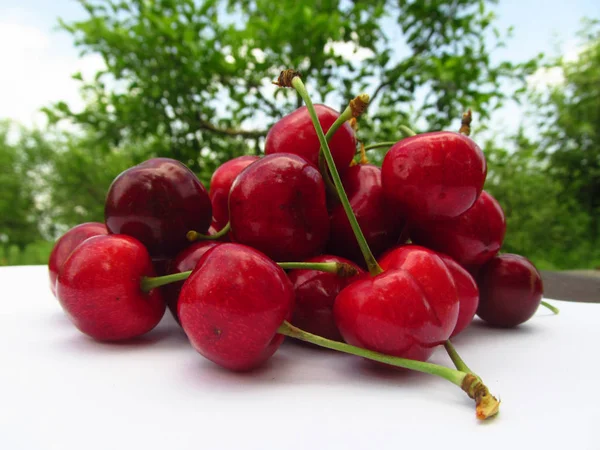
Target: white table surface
x=62, y=390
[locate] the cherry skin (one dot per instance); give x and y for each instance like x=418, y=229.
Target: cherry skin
x=406, y=311
x=433, y=176
x=277, y=205
x=158, y=202
x=232, y=305
x=220, y=184
x=510, y=289
x=99, y=288
x=185, y=261
x=472, y=238
x=316, y=292
x=379, y=223
x=68, y=242
x=296, y=134
x=468, y=293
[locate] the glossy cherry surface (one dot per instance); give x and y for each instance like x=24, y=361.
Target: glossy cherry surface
x=232, y=305
x=68, y=242
x=472, y=238
x=380, y=224
x=220, y=184
x=406, y=311
x=296, y=134
x=277, y=205
x=468, y=293
x=158, y=202
x=316, y=292
x=185, y=261
x=99, y=288
x=510, y=289
x=435, y=175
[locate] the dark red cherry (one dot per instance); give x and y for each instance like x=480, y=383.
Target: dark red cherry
x=185, y=261
x=232, y=305
x=510, y=290
x=472, y=238
x=277, y=205
x=296, y=134
x=158, y=202
x=220, y=184
x=99, y=288
x=406, y=311
x=468, y=293
x=380, y=224
x=68, y=242
x=435, y=175
x=316, y=292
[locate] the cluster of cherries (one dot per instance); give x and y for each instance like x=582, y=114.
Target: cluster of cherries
x=306, y=243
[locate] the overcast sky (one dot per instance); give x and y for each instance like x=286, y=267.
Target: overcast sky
x=36, y=60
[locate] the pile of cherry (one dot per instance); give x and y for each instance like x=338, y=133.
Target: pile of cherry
x=270, y=251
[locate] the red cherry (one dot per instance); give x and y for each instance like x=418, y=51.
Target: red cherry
x=185, y=261
x=380, y=223
x=406, y=311
x=471, y=238
x=99, y=288
x=510, y=289
x=158, y=202
x=316, y=292
x=468, y=293
x=277, y=205
x=433, y=175
x=220, y=184
x=68, y=242
x=296, y=134
x=232, y=305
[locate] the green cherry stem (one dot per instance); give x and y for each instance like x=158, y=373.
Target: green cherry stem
x=379, y=145
x=193, y=236
x=372, y=264
x=407, y=132
x=340, y=269
x=456, y=359
x=552, y=308
x=486, y=404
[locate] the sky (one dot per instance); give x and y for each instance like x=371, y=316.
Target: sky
x=37, y=60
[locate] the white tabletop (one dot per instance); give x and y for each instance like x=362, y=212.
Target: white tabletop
x=62, y=390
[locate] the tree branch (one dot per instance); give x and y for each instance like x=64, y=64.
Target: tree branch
x=247, y=134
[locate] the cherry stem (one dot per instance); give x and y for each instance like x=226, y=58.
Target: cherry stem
x=195, y=236
x=374, y=268
x=472, y=385
x=339, y=268
x=552, y=308
x=379, y=145
x=407, y=131
x=149, y=283
x=456, y=359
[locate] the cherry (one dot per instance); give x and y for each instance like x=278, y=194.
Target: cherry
x=379, y=223
x=510, y=289
x=316, y=292
x=468, y=293
x=296, y=134
x=68, y=242
x=158, y=202
x=472, y=238
x=232, y=305
x=277, y=205
x=99, y=287
x=435, y=175
x=220, y=184
x=186, y=260
x=406, y=311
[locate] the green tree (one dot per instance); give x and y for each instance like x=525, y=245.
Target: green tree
x=195, y=73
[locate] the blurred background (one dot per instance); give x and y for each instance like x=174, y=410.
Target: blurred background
x=89, y=88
